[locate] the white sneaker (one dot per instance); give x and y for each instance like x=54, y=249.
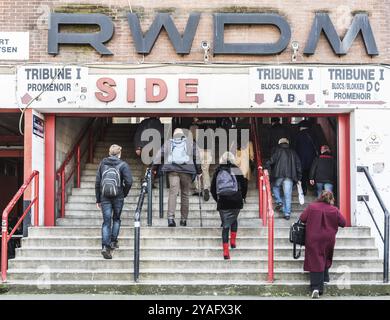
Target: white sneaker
x=315, y=294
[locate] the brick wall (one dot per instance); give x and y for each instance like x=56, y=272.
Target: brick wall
x=32, y=16
x=67, y=131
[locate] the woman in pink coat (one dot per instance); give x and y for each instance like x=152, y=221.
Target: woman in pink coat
x=322, y=220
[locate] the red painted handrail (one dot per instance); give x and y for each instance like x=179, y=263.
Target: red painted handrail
x=259, y=165
x=270, y=218
x=266, y=212
x=76, y=152
x=5, y=236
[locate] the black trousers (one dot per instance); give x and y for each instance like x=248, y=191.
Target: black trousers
x=305, y=180
x=225, y=231
x=317, y=280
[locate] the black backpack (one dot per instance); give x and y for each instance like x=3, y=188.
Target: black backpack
x=297, y=237
x=111, y=182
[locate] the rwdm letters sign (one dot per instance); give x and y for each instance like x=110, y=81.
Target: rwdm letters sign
x=54, y=86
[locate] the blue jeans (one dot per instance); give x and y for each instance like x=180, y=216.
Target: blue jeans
x=323, y=186
x=111, y=209
x=287, y=185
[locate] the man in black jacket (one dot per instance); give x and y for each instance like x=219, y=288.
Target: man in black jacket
x=110, y=196
x=323, y=171
x=286, y=170
x=139, y=143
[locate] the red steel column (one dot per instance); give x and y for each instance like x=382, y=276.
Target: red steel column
x=344, y=166
x=50, y=169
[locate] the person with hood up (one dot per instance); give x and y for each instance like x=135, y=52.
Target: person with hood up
x=228, y=188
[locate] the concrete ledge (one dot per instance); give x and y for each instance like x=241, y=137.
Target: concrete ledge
x=264, y=290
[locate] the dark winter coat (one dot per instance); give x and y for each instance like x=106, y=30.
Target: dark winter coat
x=306, y=148
x=323, y=169
x=126, y=178
x=149, y=123
x=284, y=163
x=236, y=202
x=322, y=222
x=193, y=167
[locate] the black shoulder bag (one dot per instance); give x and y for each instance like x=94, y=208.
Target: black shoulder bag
x=297, y=237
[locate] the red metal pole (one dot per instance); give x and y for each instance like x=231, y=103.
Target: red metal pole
x=261, y=213
x=271, y=249
x=4, y=248
x=90, y=152
x=63, y=193
x=36, y=195
x=265, y=204
x=78, y=166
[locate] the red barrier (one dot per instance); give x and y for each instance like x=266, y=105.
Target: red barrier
x=5, y=236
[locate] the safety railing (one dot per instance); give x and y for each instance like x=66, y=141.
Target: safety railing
x=5, y=235
x=259, y=166
x=384, y=238
x=266, y=212
x=270, y=219
x=145, y=188
x=77, y=153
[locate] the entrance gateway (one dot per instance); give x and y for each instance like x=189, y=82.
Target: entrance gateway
x=203, y=91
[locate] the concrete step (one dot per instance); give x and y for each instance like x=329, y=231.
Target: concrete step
x=177, y=241
x=201, y=264
x=196, y=275
x=206, y=207
x=210, y=252
x=195, y=231
x=191, y=222
x=209, y=288
x=134, y=199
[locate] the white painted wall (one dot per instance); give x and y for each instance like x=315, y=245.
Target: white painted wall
x=375, y=155
x=38, y=163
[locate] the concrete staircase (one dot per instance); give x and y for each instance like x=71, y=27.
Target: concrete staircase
x=181, y=260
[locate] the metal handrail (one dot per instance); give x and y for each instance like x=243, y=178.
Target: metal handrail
x=271, y=229
x=5, y=235
x=385, y=238
x=137, y=221
x=266, y=211
x=79, y=154
x=259, y=166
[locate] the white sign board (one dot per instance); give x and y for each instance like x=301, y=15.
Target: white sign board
x=168, y=91
x=319, y=86
x=279, y=86
x=14, y=45
x=51, y=86
x=355, y=85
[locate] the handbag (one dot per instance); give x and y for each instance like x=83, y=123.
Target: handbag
x=297, y=237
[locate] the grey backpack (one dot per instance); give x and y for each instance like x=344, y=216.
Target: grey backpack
x=178, y=152
x=226, y=183
x=111, y=181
